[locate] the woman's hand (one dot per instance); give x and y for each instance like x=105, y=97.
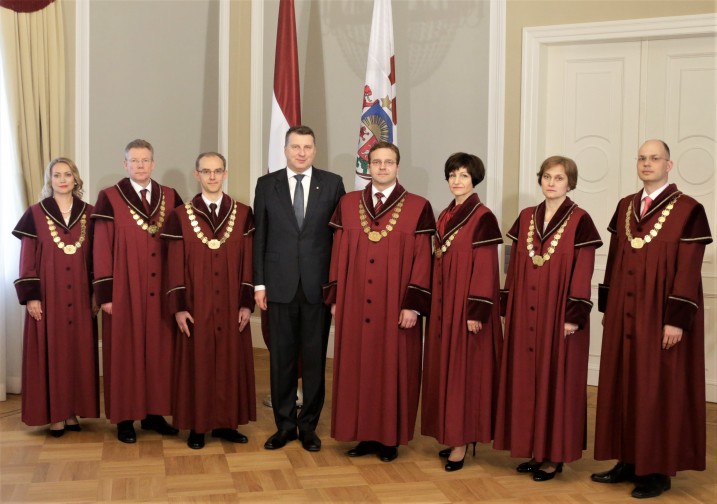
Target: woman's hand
x=34, y=308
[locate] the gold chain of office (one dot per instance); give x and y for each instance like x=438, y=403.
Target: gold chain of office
x=68, y=248
x=439, y=250
x=150, y=228
x=636, y=242
x=539, y=260
x=213, y=244
x=376, y=236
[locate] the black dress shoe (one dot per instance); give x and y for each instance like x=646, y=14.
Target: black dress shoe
x=57, y=432
x=445, y=453
x=529, y=466
x=279, y=439
x=310, y=441
x=540, y=475
x=231, y=435
x=651, y=486
x=195, y=441
x=158, y=424
x=126, y=433
x=621, y=472
x=73, y=427
x=388, y=453
x=364, y=448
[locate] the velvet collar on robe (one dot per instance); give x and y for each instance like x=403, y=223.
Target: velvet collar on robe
x=26, y=225
x=657, y=206
x=459, y=217
x=367, y=198
x=130, y=196
x=223, y=212
x=558, y=218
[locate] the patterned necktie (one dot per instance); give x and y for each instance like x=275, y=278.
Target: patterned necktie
x=213, y=213
x=299, y=200
x=144, y=192
x=646, y=207
x=379, y=203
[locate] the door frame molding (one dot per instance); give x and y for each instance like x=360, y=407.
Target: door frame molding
x=534, y=54
x=537, y=39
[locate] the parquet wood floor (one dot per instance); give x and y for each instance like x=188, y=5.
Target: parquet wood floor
x=92, y=466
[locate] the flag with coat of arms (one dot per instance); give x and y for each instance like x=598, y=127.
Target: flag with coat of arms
x=378, y=117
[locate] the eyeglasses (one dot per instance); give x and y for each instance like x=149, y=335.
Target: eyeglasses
x=388, y=162
x=206, y=172
x=139, y=161
x=654, y=159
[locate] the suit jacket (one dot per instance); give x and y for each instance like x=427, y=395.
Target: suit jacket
x=285, y=254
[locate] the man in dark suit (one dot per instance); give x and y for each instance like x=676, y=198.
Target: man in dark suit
x=292, y=252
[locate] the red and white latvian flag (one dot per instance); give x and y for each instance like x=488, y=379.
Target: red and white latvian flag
x=378, y=117
x=286, y=101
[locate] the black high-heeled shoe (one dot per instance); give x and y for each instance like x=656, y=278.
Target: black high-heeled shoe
x=457, y=465
x=541, y=475
x=444, y=453
x=528, y=467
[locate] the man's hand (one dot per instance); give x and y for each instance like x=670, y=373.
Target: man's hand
x=569, y=329
x=107, y=308
x=34, y=308
x=474, y=326
x=244, y=316
x=260, y=299
x=671, y=336
x=181, y=318
x=333, y=309
x=407, y=319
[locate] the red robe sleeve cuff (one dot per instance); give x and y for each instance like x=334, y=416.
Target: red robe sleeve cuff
x=328, y=291
x=602, y=297
x=503, y=302
x=103, y=290
x=680, y=312
x=417, y=299
x=177, y=300
x=479, y=308
x=28, y=289
x=246, y=296
x=577, y=311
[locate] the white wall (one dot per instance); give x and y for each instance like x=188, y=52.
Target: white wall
x=153, y=75
x=441, y=54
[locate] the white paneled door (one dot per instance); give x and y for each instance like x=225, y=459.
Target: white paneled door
x=599, y=102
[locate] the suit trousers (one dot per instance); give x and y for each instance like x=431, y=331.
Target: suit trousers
x=298, y=329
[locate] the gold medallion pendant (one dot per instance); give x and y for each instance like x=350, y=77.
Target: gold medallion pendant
x=213, y=244
x=637, y=243
x=538, y=260
x=153, y=228
x=69, y=249
x=374, y=236
x=438, y=253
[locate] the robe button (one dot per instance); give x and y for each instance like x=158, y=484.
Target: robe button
x=532, y=308
x=532, y=287
x=151, y=294
x=368, y=301
x=368, y=320
x=628, y=315
x=69, y=305
x=154, y=254
x=630, y=272
x=69, y=322
x=629, y=294
x=67, y=269
x=532, y=328
x=375, y=223
x=530, y=349
x=371, y=261
x=153, y=274
x=69, y=286
x=370, y=281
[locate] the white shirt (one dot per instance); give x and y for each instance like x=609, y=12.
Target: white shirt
x=139, y=188
x=652, y=195
x=305, y=183
x=386, y=193
x=218, y=202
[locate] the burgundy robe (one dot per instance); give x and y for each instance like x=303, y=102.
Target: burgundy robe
x=377, y=365
x=138, y=338
x=542, y=399
x=60, y=374
x=460, y=369
x=651, y=402
x=214, y=368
